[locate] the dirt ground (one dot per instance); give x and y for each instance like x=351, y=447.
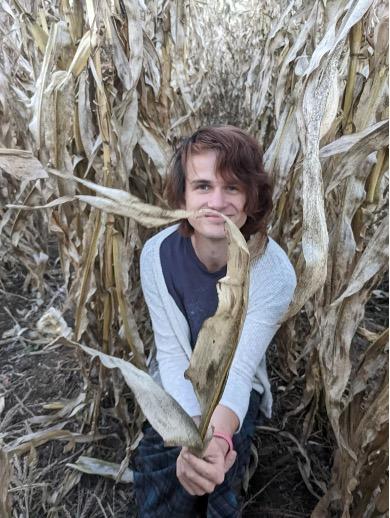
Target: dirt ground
x=33, y=374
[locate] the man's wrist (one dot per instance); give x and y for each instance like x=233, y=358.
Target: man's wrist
x=222, y=445
x=225, y=420
x=226, y=438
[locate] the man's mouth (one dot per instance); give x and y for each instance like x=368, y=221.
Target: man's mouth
x=210, y=215
x=215, y=218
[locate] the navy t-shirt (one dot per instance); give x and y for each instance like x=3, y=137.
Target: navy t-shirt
x=191, y=285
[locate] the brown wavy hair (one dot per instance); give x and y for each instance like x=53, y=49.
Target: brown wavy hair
x=239, y=159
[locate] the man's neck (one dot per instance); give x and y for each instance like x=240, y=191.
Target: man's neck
x=211, y=252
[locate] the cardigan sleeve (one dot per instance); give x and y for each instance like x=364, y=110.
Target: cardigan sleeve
x=270, y=294
x=171, y=357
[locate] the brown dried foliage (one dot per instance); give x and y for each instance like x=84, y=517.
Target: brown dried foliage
x=103, y=93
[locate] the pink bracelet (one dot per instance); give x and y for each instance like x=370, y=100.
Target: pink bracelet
x=226, y=438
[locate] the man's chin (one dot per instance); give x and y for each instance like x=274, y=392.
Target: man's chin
x=215, y=233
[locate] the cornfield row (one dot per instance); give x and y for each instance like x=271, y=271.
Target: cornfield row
x=104, y=90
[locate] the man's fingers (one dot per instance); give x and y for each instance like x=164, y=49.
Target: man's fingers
x=195, y=484
x=191, y=481
x=199, y=476
x=192, y=488
x=204, y=469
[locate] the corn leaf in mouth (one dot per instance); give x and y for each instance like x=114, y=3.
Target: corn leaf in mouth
x=218, y=337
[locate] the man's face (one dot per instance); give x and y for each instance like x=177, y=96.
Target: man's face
x=204, y=189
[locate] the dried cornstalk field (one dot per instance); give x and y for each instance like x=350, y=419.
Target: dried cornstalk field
x=103, y=91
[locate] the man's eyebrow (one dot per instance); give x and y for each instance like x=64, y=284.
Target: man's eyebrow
x=195, y=182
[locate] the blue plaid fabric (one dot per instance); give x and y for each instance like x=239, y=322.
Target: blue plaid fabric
x=158, y=492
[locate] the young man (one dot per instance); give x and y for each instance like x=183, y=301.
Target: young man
x=218, y=168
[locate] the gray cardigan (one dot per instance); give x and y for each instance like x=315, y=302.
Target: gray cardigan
x=271, y=287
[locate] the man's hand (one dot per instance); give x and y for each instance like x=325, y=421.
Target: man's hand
x=201, y=476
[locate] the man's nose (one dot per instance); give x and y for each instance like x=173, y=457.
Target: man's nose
x=217, y=199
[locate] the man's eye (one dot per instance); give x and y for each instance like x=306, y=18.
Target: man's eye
x=203, y=187
x=232, y=188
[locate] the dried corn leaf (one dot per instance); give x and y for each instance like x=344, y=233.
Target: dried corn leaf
x=315, y=234
x=331, y=109
x=365, y=422
x=162, y=411
x=74, y=16
x=332, y=37
x=298, y=43
x=131, y=334
x=80, y=59
x=85, y=286
x=23, y=444
x=85, y=120
x=58, y=127
x=135, y=38
x=66, y=409
x=346, y=142
x=55, y=42
x=209, y=365
x=18, y=225
x=100, y=467
x=21, y=164
x=282, y=153
x=55, y=203
x=153, y=64
x=343, y=246
x=373, y=361
x=155, y=148
x=70, y=480
x=127, y=131
x=354, y=158
x=374, y=258
x=125, y=204
x=121, y=62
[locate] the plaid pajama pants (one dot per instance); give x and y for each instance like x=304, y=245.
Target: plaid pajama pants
x=158, y=492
